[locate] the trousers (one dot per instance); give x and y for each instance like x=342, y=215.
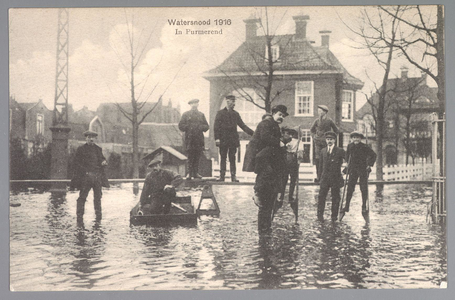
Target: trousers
x=335, y=192
x=194, y=156
x=362, y=176
x=92, y=180
x=224, y=151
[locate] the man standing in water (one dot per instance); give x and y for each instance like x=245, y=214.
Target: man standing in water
x=360, y=158
x=193, y=124
x=227, y=137
x=89, y=174
x=320, y=126
x=269, y=165
x=331, y=159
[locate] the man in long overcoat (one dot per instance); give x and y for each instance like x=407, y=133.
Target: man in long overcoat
x=269, y=164
x=361, y=158
x=320, y=126
x=331, y=159
x=193, y=123
x=89, y=163
x=227, y=137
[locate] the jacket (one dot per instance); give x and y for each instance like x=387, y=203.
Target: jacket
x=81, y=165
x=361, y=155
x=225, y=128
x=193, y=123
x=330, y=167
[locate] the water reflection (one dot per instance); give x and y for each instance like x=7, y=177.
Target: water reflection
x=89, y=247
x=396, y=249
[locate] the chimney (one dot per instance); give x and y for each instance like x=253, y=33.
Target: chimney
x=251, y=28
x=325, y=37
x=404, y=72
x=300, y=26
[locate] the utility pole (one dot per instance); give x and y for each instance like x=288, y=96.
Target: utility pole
x=60, y=129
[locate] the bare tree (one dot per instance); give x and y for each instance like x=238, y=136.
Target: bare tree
x=140, y=90
x=261, y=63
x=378, y=34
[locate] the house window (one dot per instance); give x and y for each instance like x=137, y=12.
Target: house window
x=39, y=124
x=275, y=53
x=368, y=122
x=348, y=107
x=304, y=98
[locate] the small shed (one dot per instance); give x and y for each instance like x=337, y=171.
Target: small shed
x=171, y=159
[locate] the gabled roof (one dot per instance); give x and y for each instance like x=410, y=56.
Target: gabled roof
x=168, y=149
x=294, y=55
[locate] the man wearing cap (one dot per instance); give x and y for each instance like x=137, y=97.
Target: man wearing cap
x=227, y=137
x=331, y=159
x=360, y=159
x=320, y=126
x=193, y=123
x=269, y=165
x=88, y=164
x=292, y=164
x=159, y=189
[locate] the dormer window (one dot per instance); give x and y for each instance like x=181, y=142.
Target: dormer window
x=275, y=53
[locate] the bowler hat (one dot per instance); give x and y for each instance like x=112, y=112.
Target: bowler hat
x=154, y=162
x=90, y=133
x=281, y=108
x=193, y=101
x=330, y=134
x=230, y=97
x=323, y=107
x=357, y=133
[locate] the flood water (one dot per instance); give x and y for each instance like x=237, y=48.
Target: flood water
x=396, y=249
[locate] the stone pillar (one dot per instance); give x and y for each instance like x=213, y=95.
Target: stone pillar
x=59, y=158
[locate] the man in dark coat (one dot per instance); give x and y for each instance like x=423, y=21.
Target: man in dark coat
x=193, y=123
x=227, y=137
x=320, y=126
x=331, y=159
x=159, y=189
x=89, y=164
x=361, y=158
x=269, y=164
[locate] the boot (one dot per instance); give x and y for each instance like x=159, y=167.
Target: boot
x=222, y=176
x=233, y=178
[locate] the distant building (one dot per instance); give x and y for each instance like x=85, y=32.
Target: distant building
x=30, y=123
x=410, y=105
x=307, y=76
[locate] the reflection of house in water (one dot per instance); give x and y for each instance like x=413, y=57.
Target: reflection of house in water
x=304, y=76
x=408, y=128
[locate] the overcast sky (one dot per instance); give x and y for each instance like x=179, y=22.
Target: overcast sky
x=173, y=63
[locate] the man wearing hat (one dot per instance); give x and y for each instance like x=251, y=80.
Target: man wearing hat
x=227, y=137
x=159, y=189
x=193, y=123
x=360, y=159
x=330, y=161
x=269, y=165
x=320, y=126
x=290, y=138
x=88, y=164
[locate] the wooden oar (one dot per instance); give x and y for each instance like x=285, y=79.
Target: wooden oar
x=179, y=207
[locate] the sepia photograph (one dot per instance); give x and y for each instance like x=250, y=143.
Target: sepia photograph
x=227, y=148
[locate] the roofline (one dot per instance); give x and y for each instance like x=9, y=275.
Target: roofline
x=299, y=72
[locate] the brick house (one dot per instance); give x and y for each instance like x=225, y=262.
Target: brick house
x=30, y=123
x=411, y=102
x=304, y=76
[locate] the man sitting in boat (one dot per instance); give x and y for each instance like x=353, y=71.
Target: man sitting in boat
x=159, y=189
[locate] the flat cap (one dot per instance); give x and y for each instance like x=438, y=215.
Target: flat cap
x=323, y=107
x=193, y=101
x=330, y=134
x=281, y=108
x=90, y=133
x=357, y=133
x=154, y=162
x=230, y=97
x=291, y=131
